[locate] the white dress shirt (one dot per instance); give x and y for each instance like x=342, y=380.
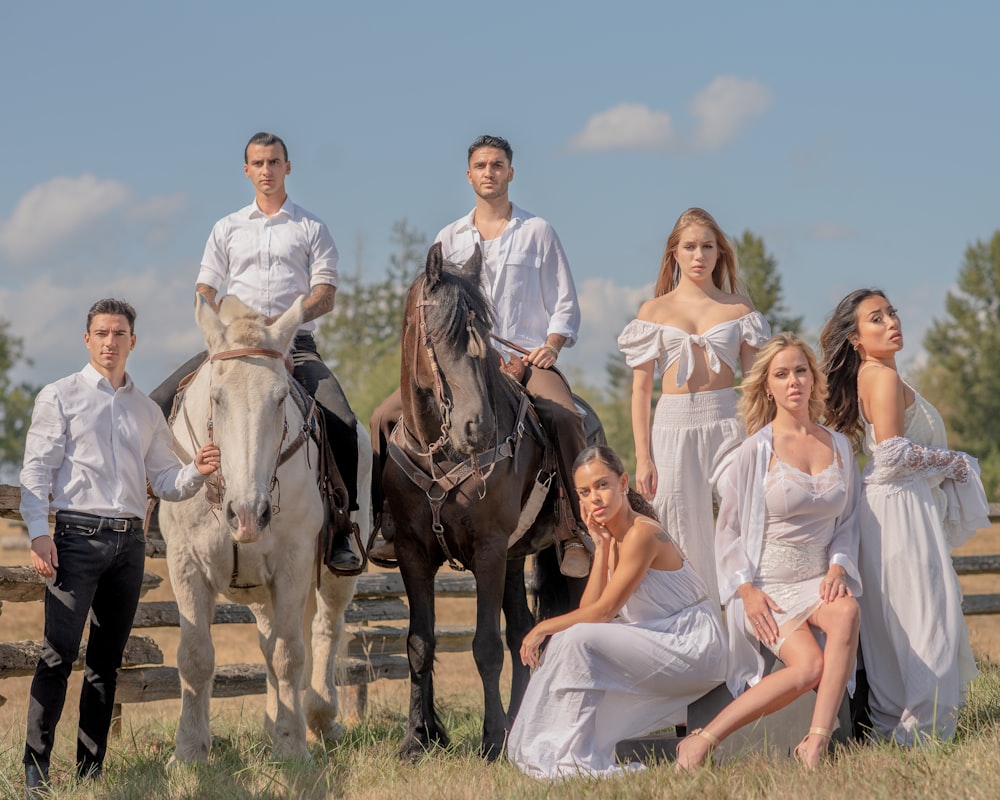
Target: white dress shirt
x=92, y=448
x=527, y=278
x=269, y=261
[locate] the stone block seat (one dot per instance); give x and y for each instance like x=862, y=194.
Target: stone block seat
x=774, y=735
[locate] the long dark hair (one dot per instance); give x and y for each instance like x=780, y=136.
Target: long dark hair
x=841, y=363
x=609, y=458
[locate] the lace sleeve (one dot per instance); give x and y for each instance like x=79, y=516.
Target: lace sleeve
x=897, y=457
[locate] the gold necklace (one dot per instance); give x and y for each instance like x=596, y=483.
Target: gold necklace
x=496, y=235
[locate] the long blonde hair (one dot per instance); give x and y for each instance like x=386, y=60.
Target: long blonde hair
x=723, y=276
x=755, y=407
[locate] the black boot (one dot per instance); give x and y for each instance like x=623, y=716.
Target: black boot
x=342, y=555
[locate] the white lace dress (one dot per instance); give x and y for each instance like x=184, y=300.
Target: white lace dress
x=600, y=683
x=802, y=511
x=781, y=529
x=914, y=640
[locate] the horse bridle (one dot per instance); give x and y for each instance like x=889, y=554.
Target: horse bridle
x=424, y=335
x=437, y=484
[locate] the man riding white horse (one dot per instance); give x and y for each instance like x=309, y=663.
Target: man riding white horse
x=271, y=252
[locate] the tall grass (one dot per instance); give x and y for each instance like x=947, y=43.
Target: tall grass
x=365, y=766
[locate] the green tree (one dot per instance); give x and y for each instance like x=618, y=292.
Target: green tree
x=962, y=377
x=759, y=271
x=361, y=336
x=16, y=399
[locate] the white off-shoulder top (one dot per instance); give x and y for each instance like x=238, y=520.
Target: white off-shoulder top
x=643, y=341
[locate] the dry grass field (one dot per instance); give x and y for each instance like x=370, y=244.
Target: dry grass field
x=365, y=765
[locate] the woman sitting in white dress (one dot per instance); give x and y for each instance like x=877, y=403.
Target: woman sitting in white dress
x=644, y=643
x=919, y=501
x=786, y=541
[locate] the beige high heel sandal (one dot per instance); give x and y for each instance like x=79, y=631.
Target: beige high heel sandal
x=713, y=742
x=799, y=751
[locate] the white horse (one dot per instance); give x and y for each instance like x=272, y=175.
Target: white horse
x=259, y=546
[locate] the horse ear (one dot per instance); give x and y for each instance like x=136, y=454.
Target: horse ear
x=474, y=266
x=435, y=263
x=284, y=328
x=211, y=326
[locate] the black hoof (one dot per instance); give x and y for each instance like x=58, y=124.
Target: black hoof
x=36, y=781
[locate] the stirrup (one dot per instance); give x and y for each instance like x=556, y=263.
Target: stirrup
x=383, y=555
x=574, y=558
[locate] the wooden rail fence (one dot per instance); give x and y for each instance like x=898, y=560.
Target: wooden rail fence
x=375, y=636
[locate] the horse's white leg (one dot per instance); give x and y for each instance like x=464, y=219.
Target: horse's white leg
x=332, y=596
x=321, y=706
x=195, y=656
x=279, y=628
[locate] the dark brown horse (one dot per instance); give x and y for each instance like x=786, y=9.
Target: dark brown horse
x=468, y=457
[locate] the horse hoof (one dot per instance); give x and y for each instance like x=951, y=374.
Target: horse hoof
x=411, y=751
x=491, y=753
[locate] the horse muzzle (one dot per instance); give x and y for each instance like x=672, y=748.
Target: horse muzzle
x=474, y=435
x=247, y=520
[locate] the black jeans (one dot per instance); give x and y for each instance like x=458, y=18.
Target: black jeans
x=317, y=379
x=99, y=573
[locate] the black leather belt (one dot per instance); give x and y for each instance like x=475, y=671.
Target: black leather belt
x=114, y=524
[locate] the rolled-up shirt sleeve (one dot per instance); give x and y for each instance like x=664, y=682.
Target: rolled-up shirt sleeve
x=559, y=291
x=215, y=260
x=324, y=257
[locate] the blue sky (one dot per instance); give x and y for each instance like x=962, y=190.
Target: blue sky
x=858, y=139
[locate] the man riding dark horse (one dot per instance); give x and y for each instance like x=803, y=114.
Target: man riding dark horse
x=536, y=313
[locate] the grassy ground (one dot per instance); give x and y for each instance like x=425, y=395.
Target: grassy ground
x=365, y=766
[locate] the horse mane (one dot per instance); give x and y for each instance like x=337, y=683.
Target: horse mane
x=244, y=326
x=458, y=301
x=248, y=332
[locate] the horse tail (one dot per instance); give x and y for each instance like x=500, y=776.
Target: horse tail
x=552, y=591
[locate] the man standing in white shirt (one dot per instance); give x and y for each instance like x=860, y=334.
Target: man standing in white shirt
x=527, y=278
x=94, y=440
x=271, y=252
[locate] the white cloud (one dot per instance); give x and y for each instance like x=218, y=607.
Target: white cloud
x=66, y=218
x=725, y=107
x=57, y=211
x=50, y=317
x=628, y=126
x=605, y=307
x=722, y=110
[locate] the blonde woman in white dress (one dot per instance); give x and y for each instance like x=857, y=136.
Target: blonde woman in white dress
x=920, y=500
x=696, y=332
x=644, y=643
x=787, y=553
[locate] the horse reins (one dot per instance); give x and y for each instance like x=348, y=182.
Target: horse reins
x=479, y=465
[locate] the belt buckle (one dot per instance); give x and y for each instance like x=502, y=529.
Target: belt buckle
x=120, y=525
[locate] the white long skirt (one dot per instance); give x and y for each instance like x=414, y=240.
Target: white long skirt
x=601, y=683
x=913, y=635
x=690, y=433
